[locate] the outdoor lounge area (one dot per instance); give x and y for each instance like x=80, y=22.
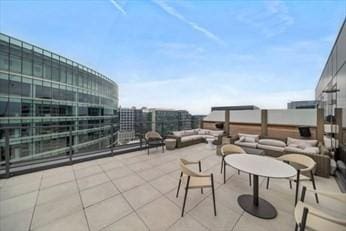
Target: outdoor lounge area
x=136, y=191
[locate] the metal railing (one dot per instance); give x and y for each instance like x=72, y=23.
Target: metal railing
x=32, y=147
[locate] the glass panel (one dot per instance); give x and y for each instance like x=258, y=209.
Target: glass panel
x=43, y=92
x=14, y=109
x=4, y=64
x=4, y=86
x=3, y=107
x=15, y=64
x=38, y=66
x=55, y=72
x=47, y=69
x=15, y=88
x=26, y=108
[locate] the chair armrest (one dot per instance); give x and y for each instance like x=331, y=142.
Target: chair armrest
x=187, y=162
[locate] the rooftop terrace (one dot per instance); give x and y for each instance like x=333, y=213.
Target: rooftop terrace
x=135, y=191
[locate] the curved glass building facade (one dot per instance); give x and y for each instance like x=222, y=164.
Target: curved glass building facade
x=52, y=104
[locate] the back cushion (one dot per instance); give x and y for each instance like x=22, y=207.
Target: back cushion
x=178, y=133
x=256, y=137
x=301, y=143
x=272, y=142
x=203, y=132
x=189, y=132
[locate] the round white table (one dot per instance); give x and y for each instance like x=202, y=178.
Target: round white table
x=210, y=144
x=259, y=166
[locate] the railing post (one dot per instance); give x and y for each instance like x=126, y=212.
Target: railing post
x=112, y=139
x=70, y=143
x=7, y=152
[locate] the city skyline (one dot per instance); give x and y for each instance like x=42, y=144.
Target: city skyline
x=197, y=61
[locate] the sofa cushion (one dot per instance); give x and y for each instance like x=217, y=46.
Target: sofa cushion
x=203, y=132
x=178, y=133
x=189, y=132
x=309, y=150
x=270, y=147
x=272, y=142
x=189, y=138
x=207, y=136
x=302, y=143
x=251, y=136
x=246, y=144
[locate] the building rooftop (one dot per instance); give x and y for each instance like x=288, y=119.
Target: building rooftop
x=135, y=191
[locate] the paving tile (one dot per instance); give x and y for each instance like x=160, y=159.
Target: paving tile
x=128, y=182
x=56, y=179
x=17, y=222
x=88, y=171
x=84, y=165
x=111, y=165
x=159, y=214
x=165, y=183
x=187, y=223
x=98, y=193
x=72, y=222
x=204, y=214
x=17, y=204
x=57, y=171
x=92, y=181
x=119, y=172
x=49, y=212
x=22, y=179
x=107, y=212
x=19, y=189
x=55, y=192
x=169, y=167
x=138, y=167
x=151, y=174
x=141, y=195
x=129, y=223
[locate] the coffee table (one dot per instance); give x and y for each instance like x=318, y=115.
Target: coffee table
x=259, y=166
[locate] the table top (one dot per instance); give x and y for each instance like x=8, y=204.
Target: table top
x=260, y=165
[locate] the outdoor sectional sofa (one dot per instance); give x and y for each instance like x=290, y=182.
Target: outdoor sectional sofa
x=276, y=147
x=195, y=136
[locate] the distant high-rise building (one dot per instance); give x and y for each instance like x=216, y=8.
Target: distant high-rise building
x=196, y=121
x=165, y=121
x=43, y=96
x=305, y=104
x=127, y=125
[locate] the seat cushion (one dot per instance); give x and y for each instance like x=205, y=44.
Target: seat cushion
x=272, y=148
x=309, y=150
x=272, y=142
x=198, y=182
x=207, y=136
x=246, y=144
x=189, y=138
x=301, y=143
x=178, y=133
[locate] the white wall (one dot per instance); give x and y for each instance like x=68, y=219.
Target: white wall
x=306, y=117
x=245, y=116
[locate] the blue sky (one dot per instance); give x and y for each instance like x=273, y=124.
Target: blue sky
x=188, y=54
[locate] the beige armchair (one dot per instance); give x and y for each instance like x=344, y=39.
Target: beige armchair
x=308, y=217
x=195, y=180
x=306, y=165
x=229, y=149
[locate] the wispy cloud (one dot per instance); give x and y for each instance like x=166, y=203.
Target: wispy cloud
x=173, y=12
x=273, y=20
x=117, y=5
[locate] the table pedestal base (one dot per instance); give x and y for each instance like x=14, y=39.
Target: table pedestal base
x=264, y=209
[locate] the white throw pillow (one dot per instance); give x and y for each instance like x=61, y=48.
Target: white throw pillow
x=249, y=135
x=250, y=139
x=272, y=142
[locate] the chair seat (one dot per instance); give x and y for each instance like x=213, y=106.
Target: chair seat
x=200, y=182
x=301, y=178
x=314, y=222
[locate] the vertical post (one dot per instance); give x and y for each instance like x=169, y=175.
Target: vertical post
x=226, y=125
x=320, y=124
x=70, y=143
x=264, y=123
x=338, y=118
x=7, y=152
x=255, y=190
x=112, y=138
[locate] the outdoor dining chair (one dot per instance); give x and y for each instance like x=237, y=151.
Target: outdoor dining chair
x=229, y=149
x=309, y=217
x=196, y=180
x=304, y=171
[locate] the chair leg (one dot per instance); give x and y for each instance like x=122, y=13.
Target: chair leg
x=181, y=175
x=222, y=160
x=238, y=172
x=297, y=187
x=296, y=227
x=250, y=180
x=314, y=185
x=224, y=172
x=290, y=182
x=186, y=189
x=213, y=192
x=267, y=182
x=303, y=223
